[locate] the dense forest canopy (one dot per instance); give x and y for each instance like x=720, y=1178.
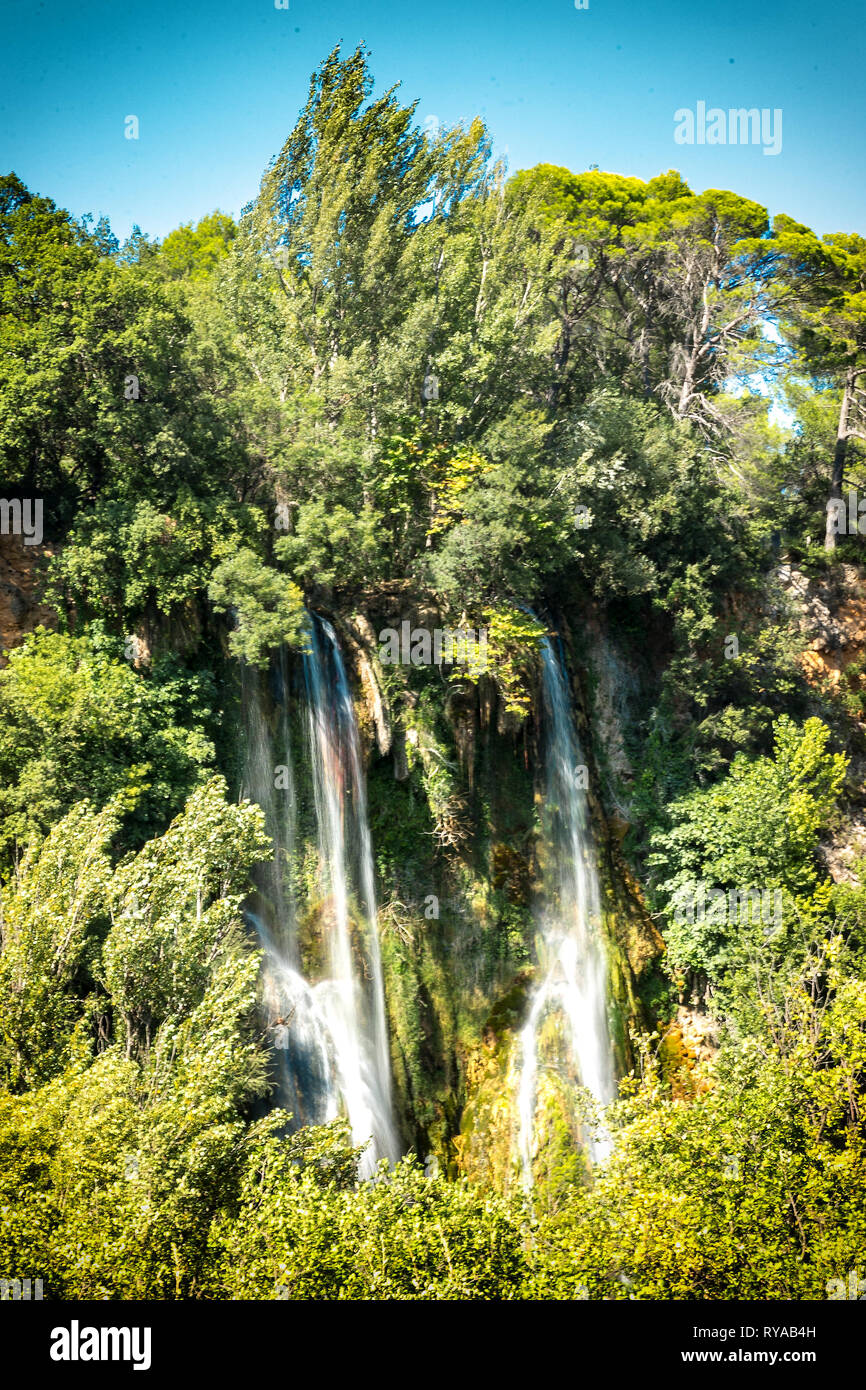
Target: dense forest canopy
x=406, y=383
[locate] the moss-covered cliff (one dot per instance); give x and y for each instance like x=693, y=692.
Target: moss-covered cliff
x=454, y=798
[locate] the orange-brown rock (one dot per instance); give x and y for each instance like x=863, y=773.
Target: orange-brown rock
x=20, y=608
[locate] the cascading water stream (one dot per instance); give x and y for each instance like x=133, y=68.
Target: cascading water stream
x=304, y=1064
x=354, y=997
x=571, y=949
x=330, y=1036
x=268, y=762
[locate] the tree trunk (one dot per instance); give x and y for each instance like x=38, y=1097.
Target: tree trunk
x=698, y=337
x=839, y=453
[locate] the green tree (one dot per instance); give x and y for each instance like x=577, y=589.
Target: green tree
x=49, y=924
x=78, y=723
x=757, y=828
x=192, y=253
x=749, y=1187
x=269, y=609
x=825, y=308
x=135, y=563
x=112, y=1170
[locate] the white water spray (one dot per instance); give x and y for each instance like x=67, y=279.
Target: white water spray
x=334, y=1046
x=353, y=998
x=571, y=949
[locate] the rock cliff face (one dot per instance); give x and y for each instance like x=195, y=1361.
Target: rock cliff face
x=454, y=794
x=454, y=787
x=831, y=613
x=20, y=610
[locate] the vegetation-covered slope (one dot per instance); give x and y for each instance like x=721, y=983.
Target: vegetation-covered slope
x=406, y=388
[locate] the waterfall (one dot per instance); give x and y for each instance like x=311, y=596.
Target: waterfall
x=268, y=780
x=572, y=992
x=305, y=1070
x=331, y=1041
x=354, y=996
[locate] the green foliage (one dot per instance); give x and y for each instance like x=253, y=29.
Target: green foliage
x=58, y=896
x=333, y=547
x=824, y=280
x=464, y=395
x=136, y=1182
x=751, y=1190
x=428, y=751
x=513, y=644
x=175, y=908
x=760, y=823
x=193, y=252
x=76, y=325
x=402, y=1236
x=127, y=560
x=113, y=1168
x=76, y=723
x=268, y=608
x=755, y=829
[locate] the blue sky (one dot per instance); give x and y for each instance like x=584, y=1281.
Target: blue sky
x=217, y=86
